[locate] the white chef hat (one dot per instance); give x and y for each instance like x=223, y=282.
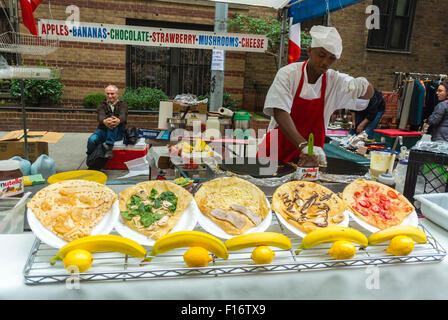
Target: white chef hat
x=327, y=38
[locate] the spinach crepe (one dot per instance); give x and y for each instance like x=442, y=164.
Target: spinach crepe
x=153, y=207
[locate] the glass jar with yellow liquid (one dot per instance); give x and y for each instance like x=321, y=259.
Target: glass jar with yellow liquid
x=380, y=162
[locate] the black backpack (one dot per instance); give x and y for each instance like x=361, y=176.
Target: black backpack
x=130, y=136
x=96, y=160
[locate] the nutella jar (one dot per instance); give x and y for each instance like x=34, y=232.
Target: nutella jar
x=307, y=168
x=11, y=179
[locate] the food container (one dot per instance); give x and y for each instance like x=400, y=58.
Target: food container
x=307, y=173
x=212, y=128
x=380, y=162
x=11, y=178
x=241, y=120
x=225, y=124
x=433, y=207
x=174, y=123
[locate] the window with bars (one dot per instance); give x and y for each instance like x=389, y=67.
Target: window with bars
x=173, y=70
x=396, y=20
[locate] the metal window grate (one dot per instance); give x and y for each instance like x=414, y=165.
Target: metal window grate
x=110, y=266
x=172, y=70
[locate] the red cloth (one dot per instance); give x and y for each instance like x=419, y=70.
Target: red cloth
x=398, y=132
x=28, y=6
x=294, y=43
x=35, y=3
x=308, y=117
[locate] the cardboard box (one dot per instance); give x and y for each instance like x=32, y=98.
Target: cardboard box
x=13, y=143
x=179, y=107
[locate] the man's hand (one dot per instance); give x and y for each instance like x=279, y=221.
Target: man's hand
x=319, y=152
x=111, y=122
x=357, y=87
x=114, y=122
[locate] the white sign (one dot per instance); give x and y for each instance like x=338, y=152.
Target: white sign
x=218, y=60
x=146, y=36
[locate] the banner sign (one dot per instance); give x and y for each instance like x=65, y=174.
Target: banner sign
x=146, y=36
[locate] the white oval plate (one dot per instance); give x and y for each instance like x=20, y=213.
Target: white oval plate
x=302, y=234
x=186, y=222
x=105, y=226
x=410, y=220
x=208, y=225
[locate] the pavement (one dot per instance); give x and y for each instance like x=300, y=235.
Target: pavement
x=69, y=154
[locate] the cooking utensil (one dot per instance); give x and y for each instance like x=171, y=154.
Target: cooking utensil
x=338, y=166
x=393, y=149
x=310, y=144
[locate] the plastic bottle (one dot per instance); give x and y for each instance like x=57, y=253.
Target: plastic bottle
x=400, y=175
x=43, y=165
x=387, y=179
x=213, y=128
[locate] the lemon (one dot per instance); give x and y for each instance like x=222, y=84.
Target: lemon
x=400, y=246
x=342, y=249
x=79, y=258
x=262, y=255
x=197, y=257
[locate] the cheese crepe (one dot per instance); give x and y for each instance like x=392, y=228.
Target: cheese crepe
x=72, y=208
x=376, y=203
x=232, y=203
x=153, y=207
x=308, y=205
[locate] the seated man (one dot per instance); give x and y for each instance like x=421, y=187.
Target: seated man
x=368, y=119
x=112, y=117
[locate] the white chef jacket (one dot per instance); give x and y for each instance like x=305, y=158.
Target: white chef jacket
x=283, y=90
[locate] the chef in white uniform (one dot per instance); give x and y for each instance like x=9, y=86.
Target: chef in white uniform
x=303, y=97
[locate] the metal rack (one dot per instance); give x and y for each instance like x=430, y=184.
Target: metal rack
x=109, y=266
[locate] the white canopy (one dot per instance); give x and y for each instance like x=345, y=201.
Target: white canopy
x=276, y=4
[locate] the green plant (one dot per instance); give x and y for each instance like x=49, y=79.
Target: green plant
x=144, y=98
x=38, y=92
x=92, y=100
x=270, y=27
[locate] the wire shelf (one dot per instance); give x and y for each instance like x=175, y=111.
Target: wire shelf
x=110, y=266
x=27, y=44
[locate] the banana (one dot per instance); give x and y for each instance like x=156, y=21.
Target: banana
x=414, y=233
x=272, y=239
x=100, y=243
x=332, y=234
x=182, y=239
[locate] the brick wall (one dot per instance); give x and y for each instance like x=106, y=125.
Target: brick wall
x=80, y=121
x=88, y=68
x=428, y=48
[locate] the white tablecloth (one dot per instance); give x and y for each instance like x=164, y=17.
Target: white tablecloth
x=401, y=281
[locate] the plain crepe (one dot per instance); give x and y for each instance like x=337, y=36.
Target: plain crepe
x=233, y=204
x=72, y=208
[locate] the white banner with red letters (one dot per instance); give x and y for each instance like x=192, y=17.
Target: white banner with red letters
x=147, y=36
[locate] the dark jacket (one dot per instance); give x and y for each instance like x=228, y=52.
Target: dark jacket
x=376, y=104
x=104, y=111
x=439, y=121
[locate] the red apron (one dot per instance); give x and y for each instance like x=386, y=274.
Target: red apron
x=308, y=117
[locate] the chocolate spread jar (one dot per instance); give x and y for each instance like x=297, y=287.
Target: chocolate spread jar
x=11, y=179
